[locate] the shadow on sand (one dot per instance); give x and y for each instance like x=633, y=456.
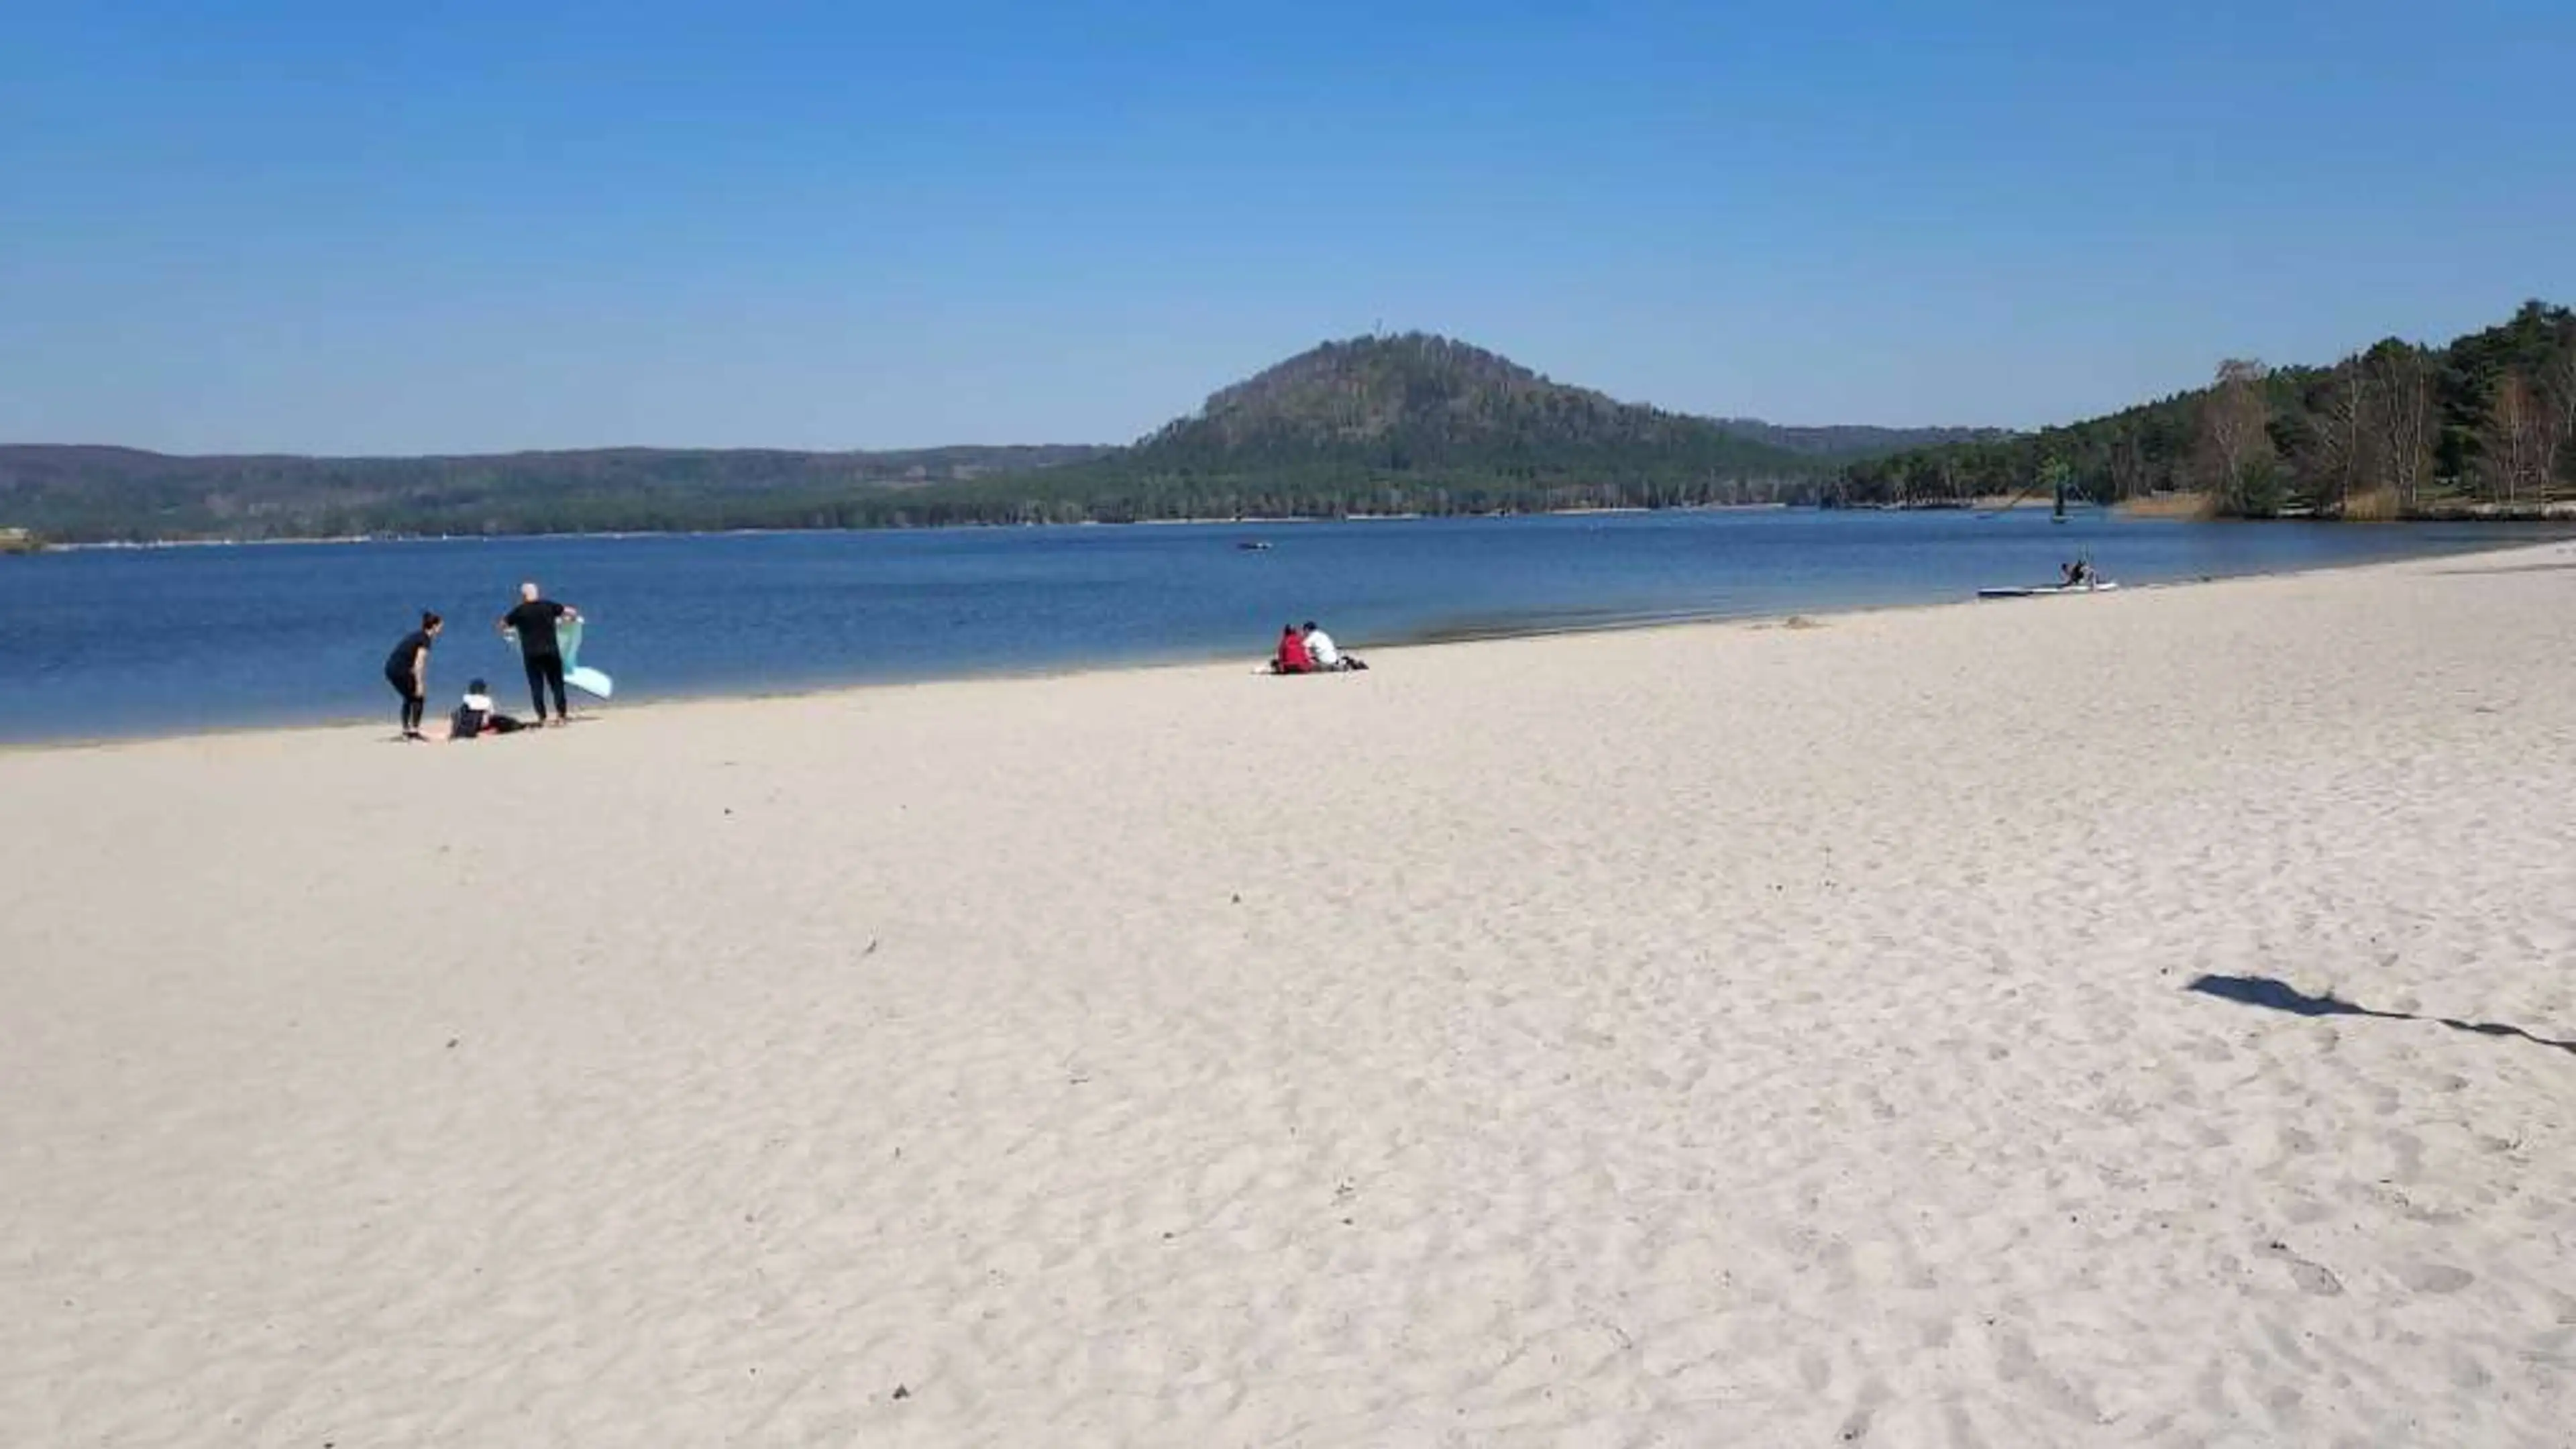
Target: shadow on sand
x=2281, y=996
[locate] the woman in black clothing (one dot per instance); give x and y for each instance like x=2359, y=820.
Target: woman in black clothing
x=407, y=670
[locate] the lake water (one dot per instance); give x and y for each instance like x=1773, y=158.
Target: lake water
x=123, y=642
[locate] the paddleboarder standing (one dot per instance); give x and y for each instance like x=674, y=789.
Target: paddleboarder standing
x=533, y=621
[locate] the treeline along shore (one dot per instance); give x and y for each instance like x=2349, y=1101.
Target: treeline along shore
x=1424, y=425
x=2482, y=427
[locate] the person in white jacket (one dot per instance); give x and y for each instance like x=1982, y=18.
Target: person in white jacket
x=1320, y=647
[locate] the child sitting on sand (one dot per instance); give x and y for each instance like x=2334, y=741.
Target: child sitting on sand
x=476, y=716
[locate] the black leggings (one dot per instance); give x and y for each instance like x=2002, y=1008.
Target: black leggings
x=545, y=672
x=413, y=704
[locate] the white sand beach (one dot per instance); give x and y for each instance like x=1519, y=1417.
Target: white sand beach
x=1706, y=1035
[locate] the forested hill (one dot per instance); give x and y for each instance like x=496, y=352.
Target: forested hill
x=2484, y=425
x=1850, y=442
x=106, y=494
x=1403, y=424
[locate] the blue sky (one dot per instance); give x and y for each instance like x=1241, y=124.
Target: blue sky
x=337, y=227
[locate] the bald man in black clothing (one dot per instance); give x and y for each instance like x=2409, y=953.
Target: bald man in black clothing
x=534, y=622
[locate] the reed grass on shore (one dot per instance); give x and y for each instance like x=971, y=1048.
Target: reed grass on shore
x=2191, y=506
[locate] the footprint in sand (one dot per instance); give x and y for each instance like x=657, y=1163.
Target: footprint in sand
x=2435, y=1277
x=2312, y=1278
x=1815, y=1371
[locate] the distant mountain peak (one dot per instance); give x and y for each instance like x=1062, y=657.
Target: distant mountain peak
x=1431, y=396
x=1442, y=367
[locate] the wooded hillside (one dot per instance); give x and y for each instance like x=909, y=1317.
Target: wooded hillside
x=2483, y=425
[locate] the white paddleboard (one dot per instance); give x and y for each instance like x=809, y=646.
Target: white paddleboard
x=2048, y=592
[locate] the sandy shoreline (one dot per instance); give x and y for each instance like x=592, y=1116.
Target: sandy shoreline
x=1704, y=1033
x=1571, y=627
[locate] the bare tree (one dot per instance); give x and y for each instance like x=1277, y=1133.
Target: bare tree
x=2514, y=446
x=2343, y=441
x=2558, y=412
x=2401, y=391
x=2236, y=453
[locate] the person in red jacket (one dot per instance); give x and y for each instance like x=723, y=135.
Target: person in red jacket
x=1292, y=657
